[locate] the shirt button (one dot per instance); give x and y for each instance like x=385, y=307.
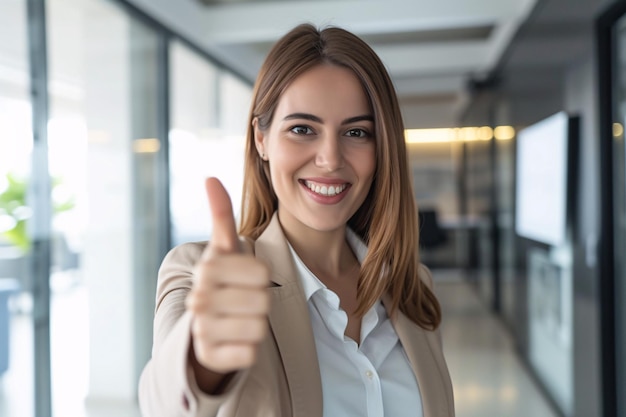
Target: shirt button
x=369, y=374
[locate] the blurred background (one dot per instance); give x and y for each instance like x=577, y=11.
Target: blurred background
x=112, y=113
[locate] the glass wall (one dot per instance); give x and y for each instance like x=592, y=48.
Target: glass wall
x=435, y=167
x=234, y=104
x=108, y=141
x=479, y=183
x=103, y=142
x=504, y=182
x=193, y=109
x=208, y=123
x=16, y=145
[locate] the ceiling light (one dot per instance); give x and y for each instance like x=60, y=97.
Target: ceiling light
x=504, y=132
x=149, y=145
x=458, y=134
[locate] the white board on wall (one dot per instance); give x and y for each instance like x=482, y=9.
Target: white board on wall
x=541, y=191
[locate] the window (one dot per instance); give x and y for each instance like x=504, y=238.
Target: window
x=209, y=110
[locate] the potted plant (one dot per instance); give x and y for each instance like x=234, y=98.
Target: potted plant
x=15, y=211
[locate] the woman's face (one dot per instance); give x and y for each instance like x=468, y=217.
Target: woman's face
x=321, y=149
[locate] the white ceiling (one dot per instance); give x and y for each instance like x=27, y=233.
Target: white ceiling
x=431, y=47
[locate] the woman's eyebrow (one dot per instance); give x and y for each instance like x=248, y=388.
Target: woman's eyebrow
x=355, y=119
x=305, y=116
x=316, y=119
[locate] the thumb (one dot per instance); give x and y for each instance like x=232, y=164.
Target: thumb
x=225, y=237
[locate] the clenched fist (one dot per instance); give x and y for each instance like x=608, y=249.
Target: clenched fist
x=229, y=299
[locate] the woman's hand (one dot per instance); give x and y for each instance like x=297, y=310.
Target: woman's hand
x=229, y=299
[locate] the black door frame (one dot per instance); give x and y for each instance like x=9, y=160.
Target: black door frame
x=606, y=53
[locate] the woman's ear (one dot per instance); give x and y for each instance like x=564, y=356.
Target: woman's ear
x=259, y=139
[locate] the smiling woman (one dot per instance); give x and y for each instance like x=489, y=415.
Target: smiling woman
x=326, y=258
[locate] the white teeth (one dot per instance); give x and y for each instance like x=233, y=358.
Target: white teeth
x=325, y=190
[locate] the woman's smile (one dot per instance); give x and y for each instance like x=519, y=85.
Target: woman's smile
x=326, y=191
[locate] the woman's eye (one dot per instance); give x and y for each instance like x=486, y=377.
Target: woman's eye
x=301, y=130
x=357, y=133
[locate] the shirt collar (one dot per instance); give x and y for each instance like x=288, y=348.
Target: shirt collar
x=310, y=283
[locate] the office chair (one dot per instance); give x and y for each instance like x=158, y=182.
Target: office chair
x=431, y=233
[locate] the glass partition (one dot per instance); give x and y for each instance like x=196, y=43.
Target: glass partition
x=234, y=104
x=479, y=180
x=103, y=148
x=16, y=283
x=208, y=123
x=106, y=153
x=193, y=110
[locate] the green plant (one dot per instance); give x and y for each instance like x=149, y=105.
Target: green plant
x=15, y=211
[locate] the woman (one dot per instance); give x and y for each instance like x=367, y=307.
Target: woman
x=318, y=305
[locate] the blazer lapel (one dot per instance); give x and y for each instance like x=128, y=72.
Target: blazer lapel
x=290, y=323
x=420, y=347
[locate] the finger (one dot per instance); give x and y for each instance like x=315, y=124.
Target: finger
x=232, y=301
x=244, y=301
x=236, y=270
x=224, y=237
x=227, y=357
x=224, y=330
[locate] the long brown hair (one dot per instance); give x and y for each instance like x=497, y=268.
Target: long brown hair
x=387, y=220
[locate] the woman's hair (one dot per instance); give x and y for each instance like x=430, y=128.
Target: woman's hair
x=387, y=219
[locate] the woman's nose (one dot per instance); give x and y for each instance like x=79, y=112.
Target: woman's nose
x=329, y=154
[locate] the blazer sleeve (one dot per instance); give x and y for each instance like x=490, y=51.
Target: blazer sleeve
x=167, y=387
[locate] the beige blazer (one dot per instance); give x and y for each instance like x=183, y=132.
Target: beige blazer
x=285, y=381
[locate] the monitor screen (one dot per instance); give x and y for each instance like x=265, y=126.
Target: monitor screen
x=541, y=190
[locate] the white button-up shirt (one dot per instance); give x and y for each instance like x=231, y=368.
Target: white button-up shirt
x=374, y=379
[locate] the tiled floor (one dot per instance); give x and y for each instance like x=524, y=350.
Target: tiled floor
x=489, y=379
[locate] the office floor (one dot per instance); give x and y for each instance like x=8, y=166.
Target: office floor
x=489, y=379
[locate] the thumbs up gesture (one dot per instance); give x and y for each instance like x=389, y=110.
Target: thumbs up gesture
x=229, y=300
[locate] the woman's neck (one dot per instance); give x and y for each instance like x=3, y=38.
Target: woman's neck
x=326, y=253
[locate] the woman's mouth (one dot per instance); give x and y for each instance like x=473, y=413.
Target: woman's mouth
x=323, y=189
